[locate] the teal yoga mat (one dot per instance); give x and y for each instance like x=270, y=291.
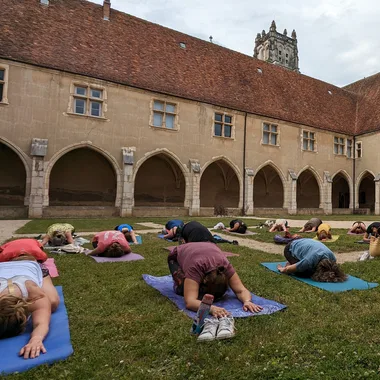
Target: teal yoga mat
x=352, y=283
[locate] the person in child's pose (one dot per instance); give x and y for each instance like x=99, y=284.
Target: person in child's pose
x=237, y=226
x=59, y=234
x=372, y=230
x=324, y=232
x=311, y=225
x=279, y=225
x=171, y=227
x=201, y=268
x=128, y=232
x=358, y=228
x=26, y=290
x=195, y=232
x=110, y=244
x=311, y=258
x=20, y=247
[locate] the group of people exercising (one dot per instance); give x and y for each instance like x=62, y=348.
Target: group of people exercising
x=197, y=264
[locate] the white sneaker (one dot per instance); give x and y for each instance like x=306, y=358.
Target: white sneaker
x=226, y=328
x=364, y=256
x=209, y=330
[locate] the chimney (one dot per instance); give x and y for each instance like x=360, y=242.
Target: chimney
x=106, y=9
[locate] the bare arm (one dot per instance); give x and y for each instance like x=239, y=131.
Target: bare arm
x=191, y=290
x=41, y=313
x=366, y=237
x=171, y=233
x=132, y=235
x=235, y=227
x=45, y=240
x=288, y=269
x=94, y=252
x=243, y=294
x=69, y=237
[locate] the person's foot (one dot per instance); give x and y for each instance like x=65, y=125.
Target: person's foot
x=226, y=328
x=209, y=330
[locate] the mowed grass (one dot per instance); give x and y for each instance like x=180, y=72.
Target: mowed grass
x=123, y=329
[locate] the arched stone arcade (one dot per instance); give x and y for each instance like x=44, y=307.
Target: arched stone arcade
x=308, y=192
x=159, y=182
x=268, y=189
x=13, y=177
x=366, y=193
x=219, y=185
x=82, y=177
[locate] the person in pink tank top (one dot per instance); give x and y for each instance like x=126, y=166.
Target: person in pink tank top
x=110, y=244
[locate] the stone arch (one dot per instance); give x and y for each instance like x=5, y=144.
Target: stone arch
x=341, y=190
x=308, y=188
x=161, y=180
x=268, y=186
x=366, y=190
x=15, y=176
x=220, y=184
x=85, y=185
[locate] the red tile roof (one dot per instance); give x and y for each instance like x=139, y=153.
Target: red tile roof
x=71, y=35
x=368, y=110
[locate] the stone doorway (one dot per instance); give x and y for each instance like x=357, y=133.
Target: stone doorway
x=268, y=190
x=308, y=195
x=340, y=192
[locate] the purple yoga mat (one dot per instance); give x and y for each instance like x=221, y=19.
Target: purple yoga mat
x=227, y=254
x=352, y=233
x=128, y=257
x=229, y=301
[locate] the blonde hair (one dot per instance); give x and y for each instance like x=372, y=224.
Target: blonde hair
x=14, y=315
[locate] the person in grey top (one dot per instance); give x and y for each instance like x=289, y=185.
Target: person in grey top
x=311, y=226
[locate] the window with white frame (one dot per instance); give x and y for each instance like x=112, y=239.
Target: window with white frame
x=349, y=152
x=3, y=84
x=164, y=114
x=270, y=134
x=359, y=151
x=339, y=145
x=223, y=125
x=308, y=141
x=88, y=101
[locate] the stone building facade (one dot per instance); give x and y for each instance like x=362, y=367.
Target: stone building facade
x=103, y=125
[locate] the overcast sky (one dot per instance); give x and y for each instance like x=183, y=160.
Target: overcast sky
x=338, y=40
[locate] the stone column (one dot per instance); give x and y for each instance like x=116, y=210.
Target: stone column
x=377, y=194
x=37, y=185
x=326, y=202
x=292, y=192
x=195, y=185
x=128, y=199
x=248, y=200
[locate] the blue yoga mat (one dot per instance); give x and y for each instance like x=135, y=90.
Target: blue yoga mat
x=164, y=285
x=161, y=236
x=352, y=283
x=139, y=239
x=57, y=344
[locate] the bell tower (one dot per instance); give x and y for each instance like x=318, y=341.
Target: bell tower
x=277, y=48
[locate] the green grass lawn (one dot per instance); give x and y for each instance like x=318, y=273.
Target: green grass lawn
x=123, y=329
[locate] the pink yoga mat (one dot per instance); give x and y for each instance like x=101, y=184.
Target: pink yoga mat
x=352, y=233
x=128, y=257
x=50, y=264
x=227, y=254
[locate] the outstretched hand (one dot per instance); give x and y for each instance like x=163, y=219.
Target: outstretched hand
x=218, y=312
x=281, y=269
x=33, y=349
x=250, y=306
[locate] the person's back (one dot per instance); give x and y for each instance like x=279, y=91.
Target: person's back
x=309, y=253
x=174, y=223
x=196, y=232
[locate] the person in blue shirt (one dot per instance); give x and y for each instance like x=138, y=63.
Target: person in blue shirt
x=128, y=232
x=311, y=258
x=171, y=228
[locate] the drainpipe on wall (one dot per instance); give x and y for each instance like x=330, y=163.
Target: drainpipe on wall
x=244, y=148
x=354, y=175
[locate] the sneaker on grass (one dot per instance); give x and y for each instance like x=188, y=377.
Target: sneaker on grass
x=226, y=328
x=365, y=256
x=209, y=330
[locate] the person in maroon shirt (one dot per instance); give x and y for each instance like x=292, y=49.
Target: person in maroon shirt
x=201, y=268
